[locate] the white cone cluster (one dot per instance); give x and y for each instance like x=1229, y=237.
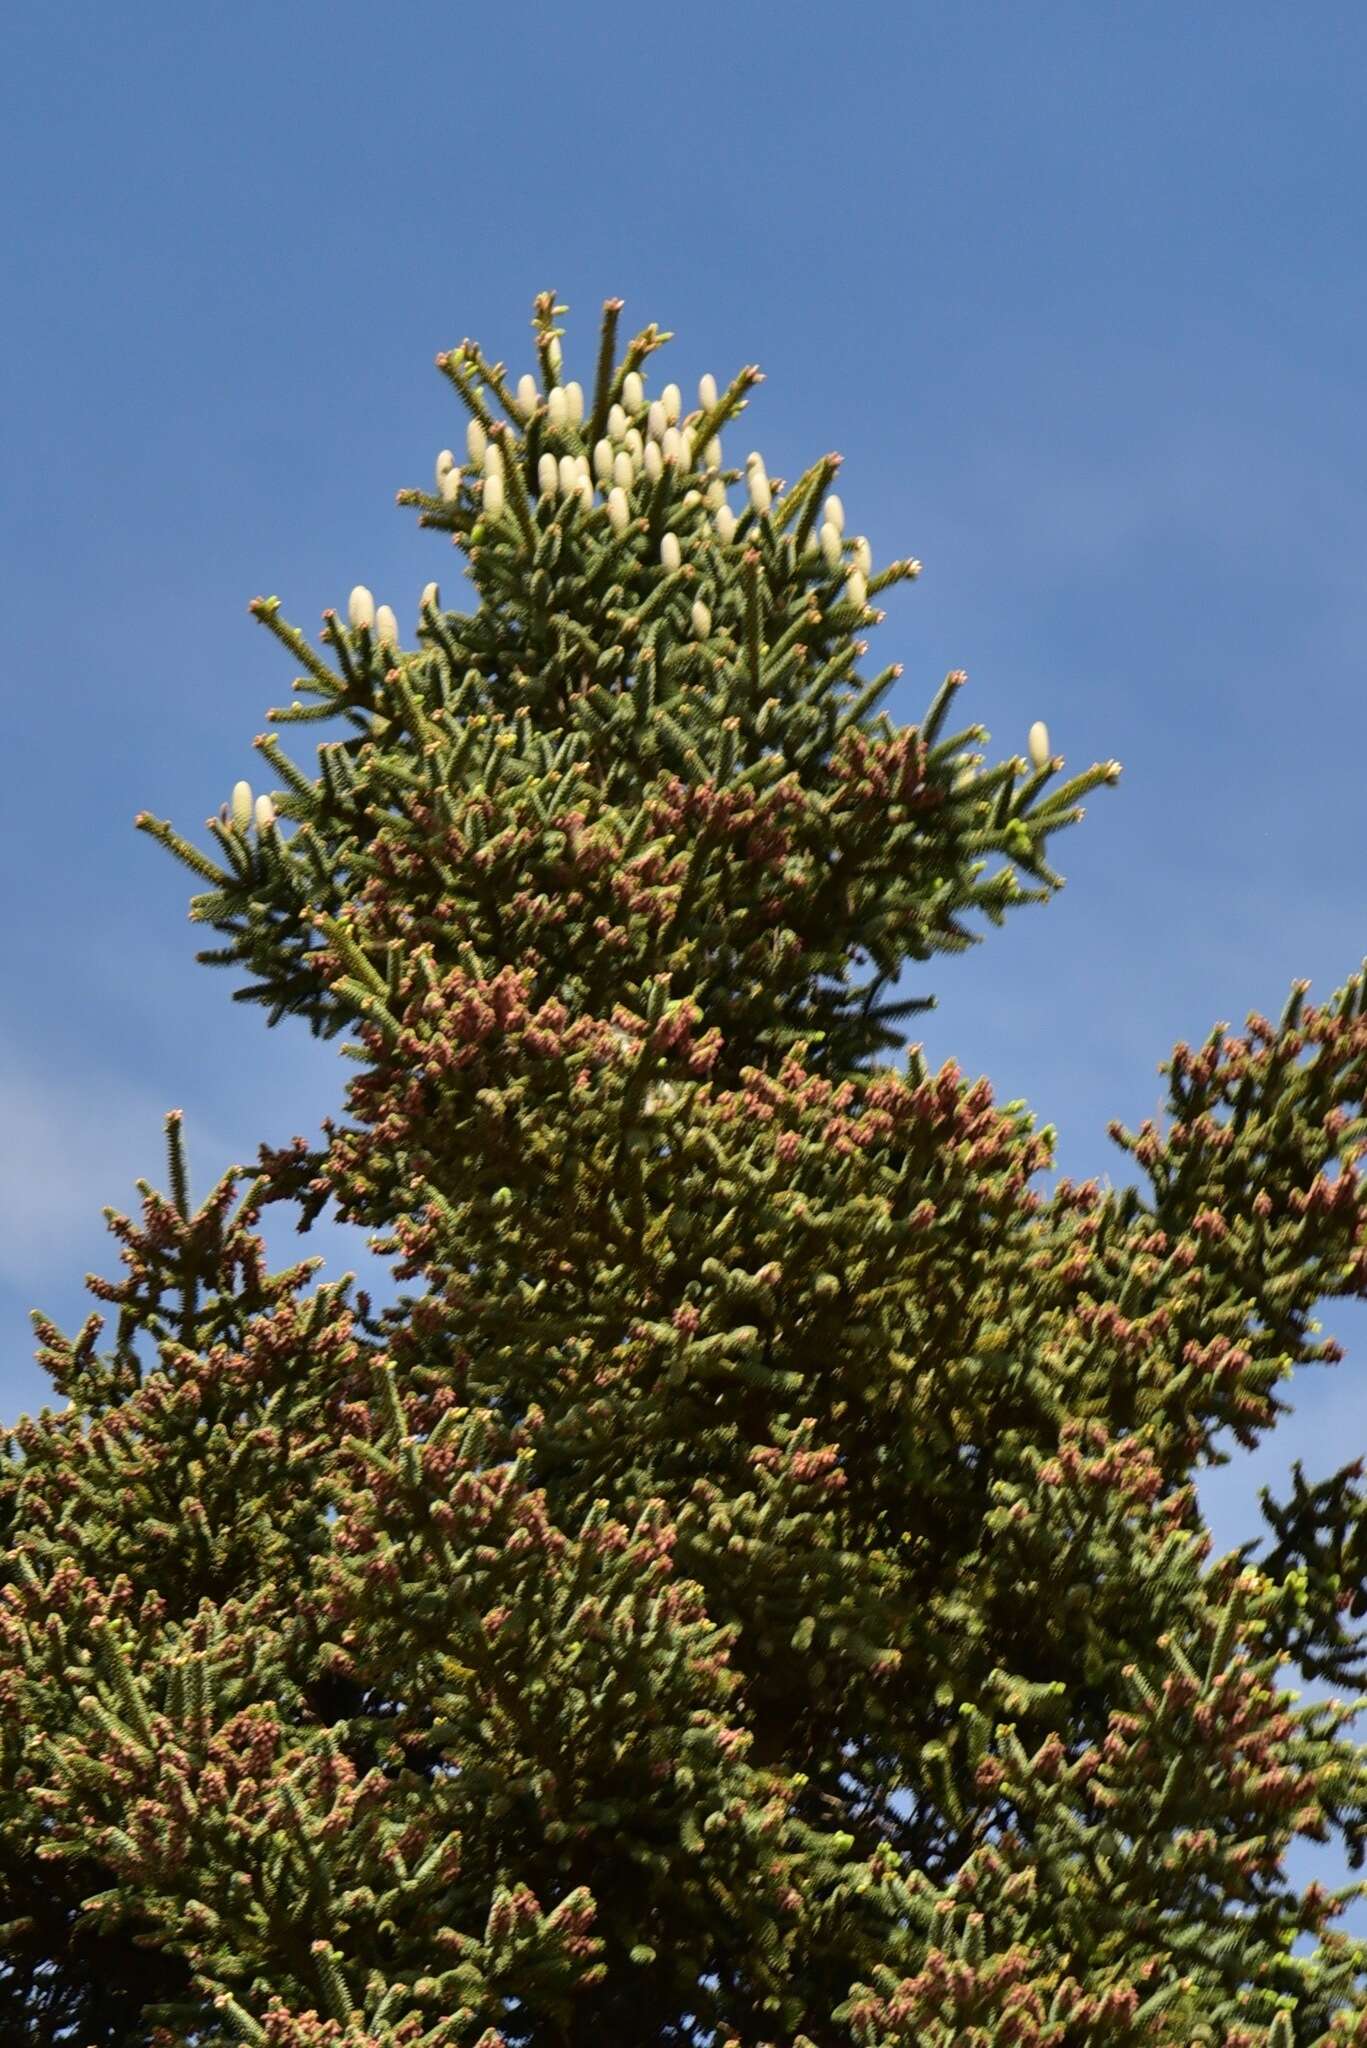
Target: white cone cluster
x=242, y=809
x=567, y=476
x=493, y=481
x=642, y=439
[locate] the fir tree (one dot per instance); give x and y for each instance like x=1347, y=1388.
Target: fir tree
x=752, y=1589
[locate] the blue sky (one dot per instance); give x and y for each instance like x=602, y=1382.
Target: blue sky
x=1077, y=290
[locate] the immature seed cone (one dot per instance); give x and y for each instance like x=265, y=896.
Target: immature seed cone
x=761, y=497
x=493, y=460
x=574, y=401
x=526, y=395
x=430, y=601
x=657, y=419
x=569, y=475
x=265, y=814
x=724, y=524
x=619, y=512
x=602, y=459
x=702, y=620
x=707, y=391
x=387, y=627
x=557, y=411
x=671, y=398
x=617, y=423
x=476, y=441
x=856, y=589
x=450, y=487
x=446, y=461
x=623, y=470
x=242, y=805
x=829, y=538
x=1039, y=744
x=653, y=461
x=834, y=513
x=493, y=495
x=714, y=497
x=669, y=551
x=360, y=609
x=863, y=555
x=633, y=391
x=547, y=476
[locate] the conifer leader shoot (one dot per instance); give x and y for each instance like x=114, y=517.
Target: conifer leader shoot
x=750, y=1592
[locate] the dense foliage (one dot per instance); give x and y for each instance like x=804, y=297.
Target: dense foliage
x=751, y=1590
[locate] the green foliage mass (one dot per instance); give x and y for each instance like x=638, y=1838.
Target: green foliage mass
x=751, y=1593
